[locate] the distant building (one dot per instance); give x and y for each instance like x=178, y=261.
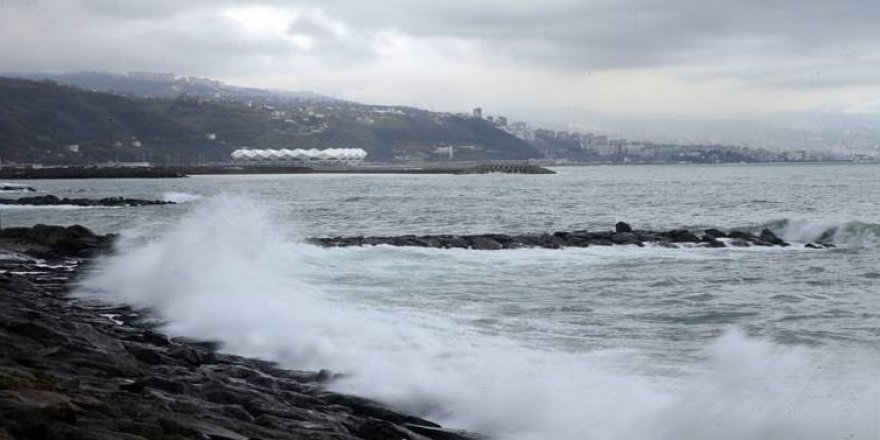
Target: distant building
x=478, y=113
x=204, y=82
x=446, y=151
x=74, y=148
x=501, y=120
x=152, y=76
x=124, y=165
x=300, y=157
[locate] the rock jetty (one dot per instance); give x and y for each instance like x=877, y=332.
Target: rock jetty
x=80, y=370
x=50, y=200
x=623, y=234
x=9, y=187
x=89, y=173
x=506, y=168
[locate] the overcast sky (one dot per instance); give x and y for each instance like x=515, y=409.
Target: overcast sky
x=669, y=56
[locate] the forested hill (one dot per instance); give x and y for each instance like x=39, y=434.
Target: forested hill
x=40, y=121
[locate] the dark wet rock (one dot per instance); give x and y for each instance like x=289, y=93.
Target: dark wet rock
x=17, y=188
x=713, y=243
x=69, y=372
x=739, y=242
x=158, y=383
x=51, y=200
x=769, y=237
x=741, y=235
x=56, y=241
x=486, y=243
x=685, y=237
x=622, y=227
x=193, y=428
x=440, y=433
x=715, y=233
x=812, y=246
x=625, y=238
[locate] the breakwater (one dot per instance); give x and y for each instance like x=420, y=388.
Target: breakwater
x=623, y=234
x=51, y=200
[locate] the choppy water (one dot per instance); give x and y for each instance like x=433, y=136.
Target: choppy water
x=610, y=343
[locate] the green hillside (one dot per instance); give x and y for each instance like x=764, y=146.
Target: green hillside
x=40, y=120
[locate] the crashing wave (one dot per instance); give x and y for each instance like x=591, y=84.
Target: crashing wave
x=800, y=231
x=180, y=197
x=6, y=187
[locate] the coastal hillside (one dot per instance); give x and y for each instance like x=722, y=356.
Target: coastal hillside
x=44, y=122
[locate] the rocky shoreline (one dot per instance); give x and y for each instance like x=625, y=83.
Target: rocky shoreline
x=623, y=234
x=50, y=200
x=74, y=172
x=74, y=369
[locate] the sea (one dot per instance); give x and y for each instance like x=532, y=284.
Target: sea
x=615, y=342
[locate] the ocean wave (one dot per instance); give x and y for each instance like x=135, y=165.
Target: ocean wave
x=180, y=197
x=801, y=231
x=249, y=290
x=6, y=188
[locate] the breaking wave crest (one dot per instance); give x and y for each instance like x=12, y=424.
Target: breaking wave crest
x=180, y=197
x=798, y=231
x=228, y=272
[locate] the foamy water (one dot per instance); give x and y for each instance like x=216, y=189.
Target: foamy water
x=618, y=343
x=180, y=197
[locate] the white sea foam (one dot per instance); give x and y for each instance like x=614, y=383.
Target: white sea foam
x=180, y=197
x=228, y=271
x=854, y=232
x=14, y=187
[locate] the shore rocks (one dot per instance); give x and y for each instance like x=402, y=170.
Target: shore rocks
x=50, y=200
x=72, y=369
x=622, y=235
x=16, y=188
x=51, y=241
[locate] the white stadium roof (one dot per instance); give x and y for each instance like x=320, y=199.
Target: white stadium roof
x=328, y=154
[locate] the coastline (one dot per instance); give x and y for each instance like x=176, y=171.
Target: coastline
x=178, y=172
x=74, y=368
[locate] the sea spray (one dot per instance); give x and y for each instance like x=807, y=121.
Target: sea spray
x=230, y=272
x=180, y=197
x=842, y=233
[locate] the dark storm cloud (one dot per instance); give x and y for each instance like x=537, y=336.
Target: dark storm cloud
x=756, y=42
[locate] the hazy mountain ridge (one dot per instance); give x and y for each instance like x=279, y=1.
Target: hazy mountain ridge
x=41, y=121
x=167, y=85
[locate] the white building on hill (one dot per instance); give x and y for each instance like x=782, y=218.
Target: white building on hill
x=300, y=157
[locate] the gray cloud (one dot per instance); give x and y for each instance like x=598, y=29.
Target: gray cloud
x=638, y=33
x=773, y=44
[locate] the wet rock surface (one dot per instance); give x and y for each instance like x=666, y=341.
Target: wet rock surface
x=622, y=235
x=54, y=242
x=76, y=369
x=16, y=188
x=50, y=200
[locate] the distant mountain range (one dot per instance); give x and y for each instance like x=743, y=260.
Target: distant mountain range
x=816, y=131
x=173, y=121
x=167, y=85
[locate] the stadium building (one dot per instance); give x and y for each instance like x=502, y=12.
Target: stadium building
x=300, y=157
